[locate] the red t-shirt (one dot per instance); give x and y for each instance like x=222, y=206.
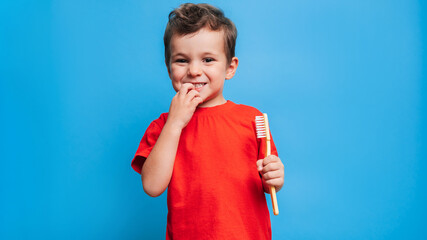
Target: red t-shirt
x=215, y=191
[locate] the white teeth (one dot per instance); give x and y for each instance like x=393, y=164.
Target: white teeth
x=198, y=85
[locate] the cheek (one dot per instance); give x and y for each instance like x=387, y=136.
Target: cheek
x=176, y=85
x=176, y=77
x=177, y=73
x=217, y=77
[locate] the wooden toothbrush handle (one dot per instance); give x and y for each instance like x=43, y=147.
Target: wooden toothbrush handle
x=272, y=188
x=274, y=200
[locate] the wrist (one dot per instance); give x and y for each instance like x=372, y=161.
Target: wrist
x=173, y=126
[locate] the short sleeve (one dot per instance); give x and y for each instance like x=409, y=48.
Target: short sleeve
x=147, y=143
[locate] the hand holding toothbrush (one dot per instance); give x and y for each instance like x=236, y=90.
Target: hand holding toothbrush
x=272, y=171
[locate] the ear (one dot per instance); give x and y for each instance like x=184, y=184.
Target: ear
x=231, y=69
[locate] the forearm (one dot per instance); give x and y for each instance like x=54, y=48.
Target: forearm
x=157, y=169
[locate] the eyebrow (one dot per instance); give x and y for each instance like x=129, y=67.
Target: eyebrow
x=185, y=55
x=178, y=54
x=209, y=53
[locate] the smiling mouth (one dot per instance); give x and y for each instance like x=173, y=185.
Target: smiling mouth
x=199, y=85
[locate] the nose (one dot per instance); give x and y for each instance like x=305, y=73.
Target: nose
x=194, y=69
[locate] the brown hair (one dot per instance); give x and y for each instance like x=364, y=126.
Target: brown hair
x=190, y=18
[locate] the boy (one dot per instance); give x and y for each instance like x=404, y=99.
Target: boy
x=205, y=150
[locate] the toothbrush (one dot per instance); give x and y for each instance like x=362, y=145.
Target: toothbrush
x=263, y=131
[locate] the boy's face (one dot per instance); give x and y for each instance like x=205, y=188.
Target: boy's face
x=199, y=58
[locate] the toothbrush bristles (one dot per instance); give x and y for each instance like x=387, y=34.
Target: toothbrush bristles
x=260, y=127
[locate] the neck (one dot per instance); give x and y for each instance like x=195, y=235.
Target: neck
x=212, y=102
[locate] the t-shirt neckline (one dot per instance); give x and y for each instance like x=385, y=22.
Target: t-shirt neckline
x=215, y=109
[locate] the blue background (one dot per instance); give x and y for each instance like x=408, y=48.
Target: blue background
x=343, y=82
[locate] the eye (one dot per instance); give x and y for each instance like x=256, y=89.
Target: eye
x=209, y=60
x=180, y=60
